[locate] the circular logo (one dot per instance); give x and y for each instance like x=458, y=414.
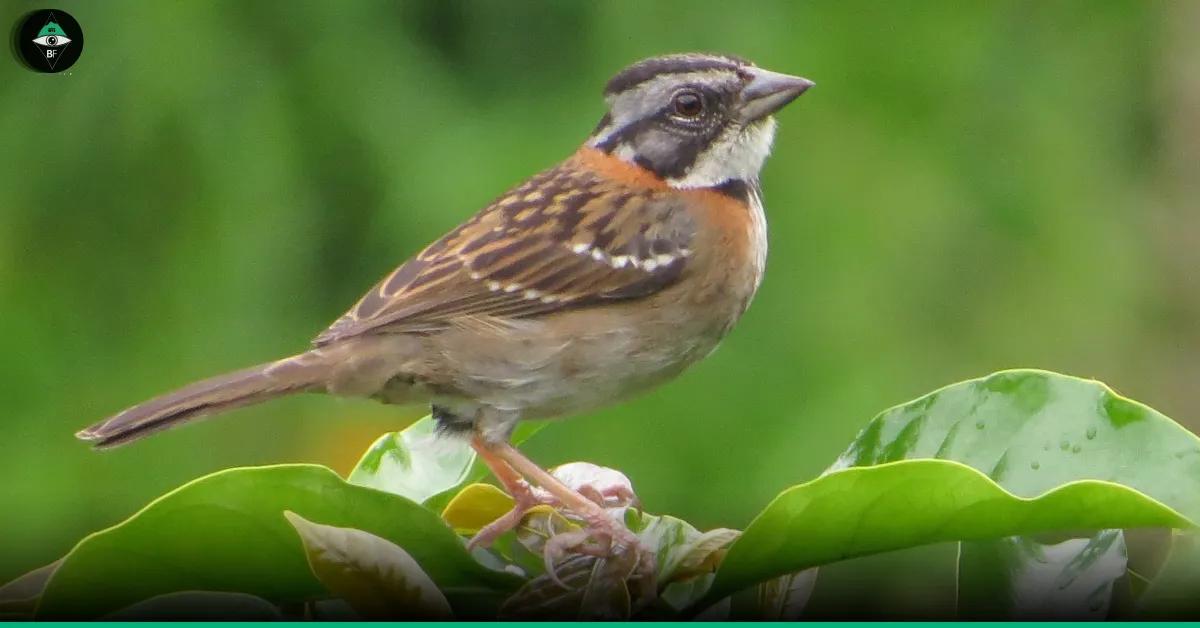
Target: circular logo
x=49, y=40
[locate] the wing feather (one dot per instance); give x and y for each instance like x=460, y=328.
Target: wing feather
x=562, y=239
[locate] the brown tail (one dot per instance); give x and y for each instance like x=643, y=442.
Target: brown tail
x=300, y=373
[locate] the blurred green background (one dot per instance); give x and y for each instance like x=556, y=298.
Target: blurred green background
x=971, y=187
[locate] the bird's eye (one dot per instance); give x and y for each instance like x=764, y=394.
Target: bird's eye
x=688, y=104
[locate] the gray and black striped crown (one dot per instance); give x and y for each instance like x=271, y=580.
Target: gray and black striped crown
x=683, y=63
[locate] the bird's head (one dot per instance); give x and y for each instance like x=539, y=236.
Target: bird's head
x=695, y=120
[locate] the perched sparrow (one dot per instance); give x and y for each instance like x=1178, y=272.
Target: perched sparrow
x=593, y=281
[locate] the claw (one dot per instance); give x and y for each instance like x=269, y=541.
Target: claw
x=494, y=530
x=611, y=496
x=524, y=499
x=646, y=574
x=590, y=492
x=556, y=549
x=602, y=538
x=608, y=488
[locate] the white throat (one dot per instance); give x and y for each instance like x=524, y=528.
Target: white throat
x=738, y=155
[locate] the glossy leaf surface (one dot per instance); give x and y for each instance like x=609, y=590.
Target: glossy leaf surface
x=420, y=464
x=1175, y=592
x=1019, y=578
x=227, y=532
x=1031, y=430
x=865, y=510
x=375, y=576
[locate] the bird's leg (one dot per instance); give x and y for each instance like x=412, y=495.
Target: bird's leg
x=526, y=497
x=612, y=536
x=588, y=510
x=512, y=481
x=522, y=494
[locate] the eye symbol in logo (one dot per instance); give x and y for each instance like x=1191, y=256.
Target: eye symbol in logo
x=52, y=41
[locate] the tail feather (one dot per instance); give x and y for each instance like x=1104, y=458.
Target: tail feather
x=300, y=373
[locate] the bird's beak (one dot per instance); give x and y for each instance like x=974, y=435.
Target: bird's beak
x=768, y=92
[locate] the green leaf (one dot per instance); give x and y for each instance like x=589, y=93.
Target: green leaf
x=682, y=551
x=1175, y=592
x=681, y=554
x=700, y=555
x=860, y=511
x=1022, y=579
x=416, y=462
x=778, y=599
x=225, y=532
x=1030, y=431
x=375, y=576
x=476, y=506
x=19, y=598
x=914, y=583
x=420, y=464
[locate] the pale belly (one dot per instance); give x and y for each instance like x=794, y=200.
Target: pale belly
x=577, y=361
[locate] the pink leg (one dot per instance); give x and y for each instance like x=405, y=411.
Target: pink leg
x=612, y=535
x=516, y=486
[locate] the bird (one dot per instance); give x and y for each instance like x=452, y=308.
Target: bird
x=597, y=279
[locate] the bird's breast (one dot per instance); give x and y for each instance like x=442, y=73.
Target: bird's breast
x=732, y=254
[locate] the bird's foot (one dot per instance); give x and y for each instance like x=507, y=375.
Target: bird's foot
x=606, y=491
x=601, y=535
x=608, y=539
x=524, y=500
x=584, y=493
x=607, y=488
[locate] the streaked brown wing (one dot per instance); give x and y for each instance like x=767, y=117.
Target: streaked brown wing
x=563, y=239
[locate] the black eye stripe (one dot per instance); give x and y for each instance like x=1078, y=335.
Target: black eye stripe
x=631, y=130
x=625, y=133
x=670, y=164
x=605, y=121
